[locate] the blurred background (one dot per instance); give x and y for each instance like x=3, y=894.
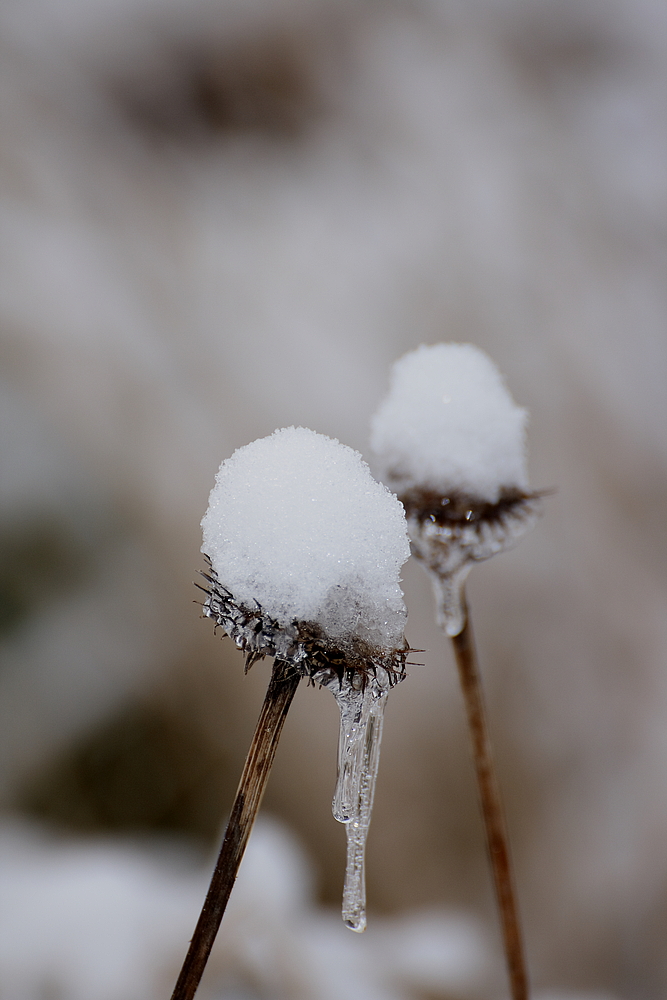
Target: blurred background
x=219, y=217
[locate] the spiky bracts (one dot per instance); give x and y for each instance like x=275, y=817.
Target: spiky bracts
x=302, y=645
x=448, y=531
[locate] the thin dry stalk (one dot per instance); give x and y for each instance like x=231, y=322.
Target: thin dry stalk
x=281, y=690
x=496, y=835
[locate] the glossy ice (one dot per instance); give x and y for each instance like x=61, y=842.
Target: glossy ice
x=361, y=719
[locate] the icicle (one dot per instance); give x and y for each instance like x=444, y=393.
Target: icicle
x=361, y=718
x=354, y=708
x=448, y=590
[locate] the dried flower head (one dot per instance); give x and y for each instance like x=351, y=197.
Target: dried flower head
x=305, y=550
x=450, y=441
x=303, y=645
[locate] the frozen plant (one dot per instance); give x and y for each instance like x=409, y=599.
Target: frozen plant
x=305, y=550
x=450, y=441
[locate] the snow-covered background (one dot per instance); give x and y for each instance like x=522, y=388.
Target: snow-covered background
x=219, y=218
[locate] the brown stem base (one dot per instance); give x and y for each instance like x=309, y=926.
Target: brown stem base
x=281, y=690
x=496, y=836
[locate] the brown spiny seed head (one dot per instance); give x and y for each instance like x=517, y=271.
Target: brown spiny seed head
x=448, y=531
x=303, y=645
x=461, y=509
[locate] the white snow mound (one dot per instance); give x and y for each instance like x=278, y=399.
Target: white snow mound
x=449, y=424
x=297, y=523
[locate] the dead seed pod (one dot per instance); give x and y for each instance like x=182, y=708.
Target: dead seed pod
x=450, y=441
x=304, y=552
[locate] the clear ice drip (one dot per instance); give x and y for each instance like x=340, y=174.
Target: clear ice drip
x=450, y=550
x=361, y=718
x=449, y=603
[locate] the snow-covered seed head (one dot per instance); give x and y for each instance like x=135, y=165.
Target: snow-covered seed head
x=305, y=551
x=449, y=426
x=450, y=441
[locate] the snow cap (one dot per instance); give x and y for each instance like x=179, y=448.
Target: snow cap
x=449, y=424
x=297, y=523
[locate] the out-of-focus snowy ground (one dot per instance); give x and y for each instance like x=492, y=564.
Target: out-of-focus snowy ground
x=111, y=921
x=97, y=920
x=222, y=218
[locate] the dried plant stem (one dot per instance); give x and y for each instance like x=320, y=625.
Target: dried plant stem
x=496, y=836
x=281, y=690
